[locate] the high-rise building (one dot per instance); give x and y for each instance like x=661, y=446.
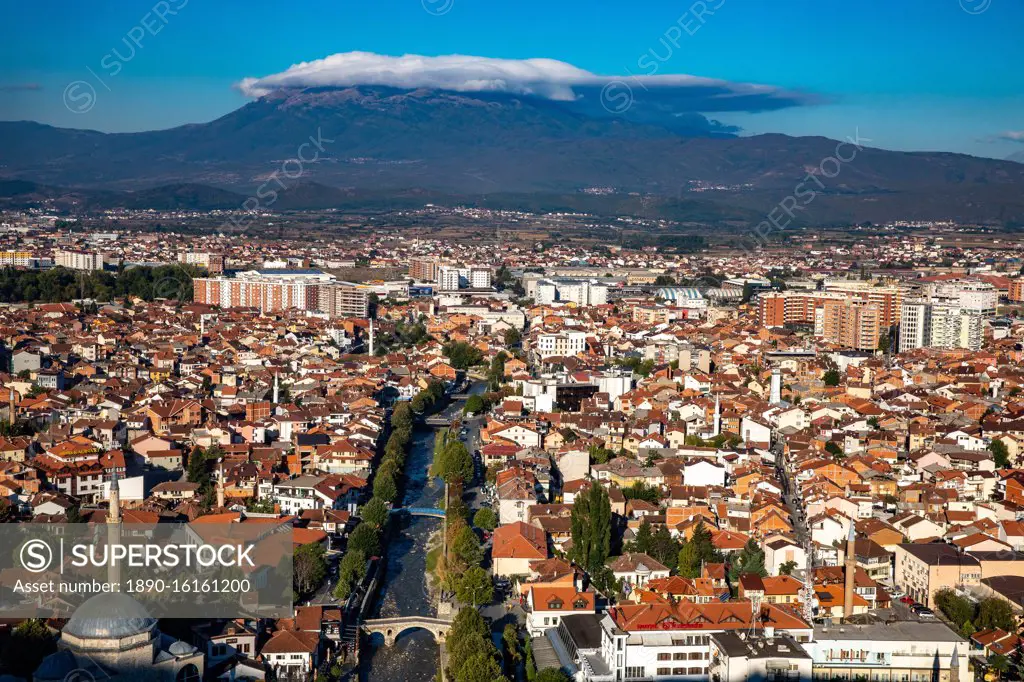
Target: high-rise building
x=277, y=290
x=1016, y=292
x=78, y=260
x=851, y=323
x=449, y=279
x=937, y=324
x=422, y=269
x=480, y=278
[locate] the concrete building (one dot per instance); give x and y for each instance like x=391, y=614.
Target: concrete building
x=924, y=569
x=78, y=260
x=561, y=344
x=274, y=290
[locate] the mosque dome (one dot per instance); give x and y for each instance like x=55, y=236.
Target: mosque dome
x=109, y=616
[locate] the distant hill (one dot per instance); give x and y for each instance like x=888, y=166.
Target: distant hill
x=363, y=144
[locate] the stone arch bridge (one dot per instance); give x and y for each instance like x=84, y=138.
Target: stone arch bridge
x=391, y=628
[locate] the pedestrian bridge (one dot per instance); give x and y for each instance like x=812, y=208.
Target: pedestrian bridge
x=391, y=628
x=420, y=511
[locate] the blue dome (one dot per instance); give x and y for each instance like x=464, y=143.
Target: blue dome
x=109, y=616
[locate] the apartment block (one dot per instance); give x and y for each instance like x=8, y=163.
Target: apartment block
x=277, y=290
x=78, y=260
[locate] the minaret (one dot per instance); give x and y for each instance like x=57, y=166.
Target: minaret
x=220, y=484
x=114, y=529
x=849, y=572
x=718, y=415
x=371, y=337
x=776, y=392
x=277, y=387
x=954, y=666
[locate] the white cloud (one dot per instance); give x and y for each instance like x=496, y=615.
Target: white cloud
x=546, y=78
x=1012, y=136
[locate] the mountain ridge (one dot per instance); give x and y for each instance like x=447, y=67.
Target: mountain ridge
x=471, y=145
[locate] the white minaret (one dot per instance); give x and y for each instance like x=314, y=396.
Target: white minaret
x=776, y=393
x=220, y=485
x=114, y=528
x=371, y=337
x=718, y=415
x=277, y=387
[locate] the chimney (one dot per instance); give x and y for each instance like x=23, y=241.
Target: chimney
x=849, y=572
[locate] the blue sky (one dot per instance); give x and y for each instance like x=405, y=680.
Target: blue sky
x=906, y=74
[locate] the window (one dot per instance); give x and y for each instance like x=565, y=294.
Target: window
x=664, y=657
x=634, y=671
x=695, y=671
x=678, y=671
x=679, y=656
x=664, y=671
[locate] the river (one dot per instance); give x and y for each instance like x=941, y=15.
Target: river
x=413, y=658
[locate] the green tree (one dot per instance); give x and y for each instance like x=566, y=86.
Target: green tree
x=453, y=462
x=644, y=537
x=787, y=568
x=375, y=512
x=469, y=635
x=466, y=547
x=591, y=528
x=512, y=337
x=480, y=667
x=643, y=491
x=955, y=607
x=600, y=455
x=750, y=559
x=366, y=539
x=474, y=404
x=29, y=643
x=510, y=637
x=463, y=355
x=402, y=417
x=475, y=587
x=552, y=675
x=1000, y=454
x=689, y=561
x=832, y=377
x=351, y=571
x=995, y=613
x=384, y=486
x=485, y=519
x=310, y=568
x=665, y=548
x=834, y=449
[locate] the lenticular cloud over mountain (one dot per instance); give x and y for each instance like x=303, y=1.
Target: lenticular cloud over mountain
x=545, y=78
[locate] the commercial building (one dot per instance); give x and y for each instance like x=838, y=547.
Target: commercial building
x=670, y=641
x=901, y=651
x=78, y=260
x=275, y=290
x=924, y=569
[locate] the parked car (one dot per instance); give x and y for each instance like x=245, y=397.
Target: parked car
x=907, y=600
